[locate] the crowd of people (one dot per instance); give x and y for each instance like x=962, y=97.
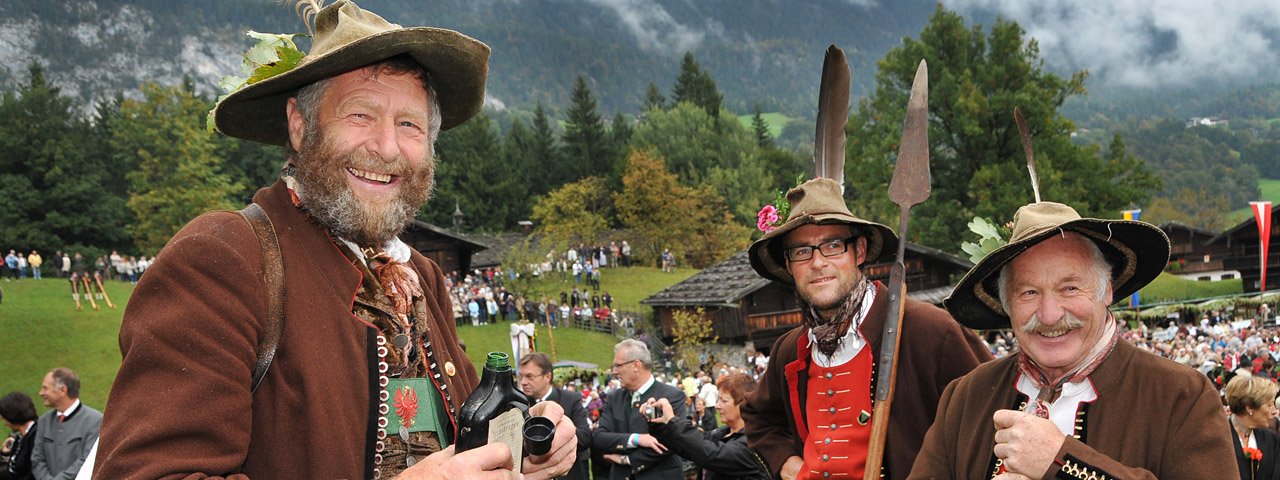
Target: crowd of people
x=126, y=268
x=479, y=297
x=361, y=322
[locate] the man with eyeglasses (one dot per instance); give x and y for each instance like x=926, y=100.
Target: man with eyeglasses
x=811, y=415
x=623, y=432
x=535, y=382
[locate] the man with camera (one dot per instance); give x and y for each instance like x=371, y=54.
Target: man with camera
x=623, y=433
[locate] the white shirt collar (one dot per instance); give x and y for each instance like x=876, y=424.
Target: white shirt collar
x=396, y=249
x=852, y=342
x=70, y=410
x=645, y=387
x=548, y=395
x=1063, y=410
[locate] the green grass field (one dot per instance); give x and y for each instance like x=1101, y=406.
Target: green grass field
x=43, y=330
x=775, y=120
x=1270, y=191
x=569, y=343
x=1168, y=287
x=627, y=286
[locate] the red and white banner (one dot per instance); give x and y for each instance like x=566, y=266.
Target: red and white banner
x=1262, y=212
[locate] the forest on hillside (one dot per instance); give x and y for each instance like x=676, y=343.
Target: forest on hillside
x=677, y=170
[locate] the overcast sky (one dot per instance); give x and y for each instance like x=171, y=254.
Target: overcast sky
x=1150, y=43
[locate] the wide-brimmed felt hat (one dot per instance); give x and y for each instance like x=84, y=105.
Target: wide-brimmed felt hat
x=1137, y=252
x=818, y=202
x=347, y=38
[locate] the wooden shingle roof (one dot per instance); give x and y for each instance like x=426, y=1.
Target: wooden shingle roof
x=725, y=283
x=720, y=285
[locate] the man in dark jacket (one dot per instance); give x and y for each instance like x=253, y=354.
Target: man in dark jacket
x=812, y=411
x=535, y=382
x=623, y=434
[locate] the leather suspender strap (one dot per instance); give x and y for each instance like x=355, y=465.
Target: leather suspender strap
x=273, y=275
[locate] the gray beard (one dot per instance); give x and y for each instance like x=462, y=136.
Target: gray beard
x=330, y=201
x=347, y=218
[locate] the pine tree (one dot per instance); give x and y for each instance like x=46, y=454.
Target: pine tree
x=696, y=86
x=53, y=175
x=477, y=177
x=620, y=131
x=653, y=99
x=760, y=129
x=550, y=169
x=586, y=146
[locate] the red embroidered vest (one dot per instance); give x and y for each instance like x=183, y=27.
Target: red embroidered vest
x=836, y=446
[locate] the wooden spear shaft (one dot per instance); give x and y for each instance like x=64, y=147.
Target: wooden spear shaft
x=910, y=186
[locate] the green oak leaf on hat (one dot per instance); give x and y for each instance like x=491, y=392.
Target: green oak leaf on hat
x=817, y=202
x=1137, y=252
x=348, y=38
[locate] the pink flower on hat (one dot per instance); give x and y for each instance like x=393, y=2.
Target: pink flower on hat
x=766, y=219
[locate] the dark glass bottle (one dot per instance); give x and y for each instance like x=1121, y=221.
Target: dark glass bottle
x=496, y=394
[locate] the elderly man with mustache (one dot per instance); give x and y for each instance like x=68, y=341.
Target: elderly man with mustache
x=1075, y=401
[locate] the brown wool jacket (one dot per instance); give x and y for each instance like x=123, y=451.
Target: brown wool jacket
x=933, y=350
x=181, y=405
x=1153, y=419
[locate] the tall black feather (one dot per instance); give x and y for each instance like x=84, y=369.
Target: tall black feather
x=833, y=113
x=1025, y=133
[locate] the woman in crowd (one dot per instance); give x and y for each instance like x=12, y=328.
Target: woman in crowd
x=700, y=418
x=1251, y=401
x=721, y=453
x=19, y=414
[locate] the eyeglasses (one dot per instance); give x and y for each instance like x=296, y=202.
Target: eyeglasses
x=829, y=249
x=531, y=376
x=619, y=364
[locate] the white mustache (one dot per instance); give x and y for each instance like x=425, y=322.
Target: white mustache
x=1067, y=323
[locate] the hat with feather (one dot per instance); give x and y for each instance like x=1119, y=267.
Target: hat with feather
x=817, y=202
x=347, y=38
x=820, y=201
x=1136, y=251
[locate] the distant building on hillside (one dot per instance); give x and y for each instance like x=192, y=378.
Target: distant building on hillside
x=451, y=252
x=1191, y=256
x=743, y=306
x=1207, y=122
x=1242, y=252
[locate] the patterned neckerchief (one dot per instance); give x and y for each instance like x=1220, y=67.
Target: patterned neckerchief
x=1050, y=389
x=829, y=332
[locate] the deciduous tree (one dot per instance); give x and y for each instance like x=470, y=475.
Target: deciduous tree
x=975, y=81
x=573, y=213
x=178, y=175
x=691, y=330
x=694, y=223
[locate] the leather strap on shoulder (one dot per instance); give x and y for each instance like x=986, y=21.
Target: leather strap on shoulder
x=273, y=275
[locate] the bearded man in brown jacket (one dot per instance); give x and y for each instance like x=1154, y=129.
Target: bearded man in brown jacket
x=368, y=374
